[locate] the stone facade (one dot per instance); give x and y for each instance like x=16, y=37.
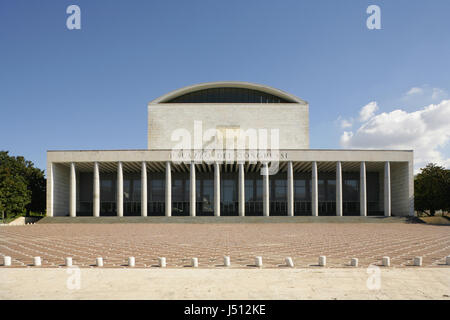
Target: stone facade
x=305, y=181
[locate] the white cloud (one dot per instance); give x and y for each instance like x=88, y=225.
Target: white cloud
x=368, y=111
x=414, y=90
x=426, y=131
x=425, y=92
x=438, y=94
x=344, y=123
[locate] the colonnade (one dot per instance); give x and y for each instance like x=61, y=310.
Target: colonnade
x=241, y=189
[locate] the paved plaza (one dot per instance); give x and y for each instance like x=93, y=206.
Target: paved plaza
x=179, y=242
x=251, y=283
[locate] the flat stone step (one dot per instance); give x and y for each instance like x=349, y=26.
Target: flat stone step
x=234, y=219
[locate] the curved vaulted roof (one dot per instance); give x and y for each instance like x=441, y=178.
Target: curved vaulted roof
x=189, y=93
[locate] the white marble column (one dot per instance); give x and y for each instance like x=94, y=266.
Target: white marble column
x=73, y=191
x=144, y=189
x=96, y=195
x=216, y=189
x=192, y=191
x=290, y=189
x=119, y=195
x=339, y=210
x=387, y=189
x=314, y=190
x=50, y=189
x=266, y=190
x=241, y=184
x=168, y=189
x=362, y=190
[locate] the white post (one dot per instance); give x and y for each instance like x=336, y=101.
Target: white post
x=216, y=189
x=73, y=191
x=290, y=189
x=418, y=261
x=339, y=211
x=362, y=190
x=266, y=190
x=7, y=261
x=144, y=189
x=322, y=261
x=96, y=196
x=192, y=191
x=289, y=262
x=241, y=190
x=119, y=195
x=37, y=261
x=387, y=189
x=314, y=191
x=226, y=261
x=168, y=190
x=99, y=262
x=162, y=262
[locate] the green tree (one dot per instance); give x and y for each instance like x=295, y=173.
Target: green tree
x=14, y=195
x=432, y=189
x=17, y=170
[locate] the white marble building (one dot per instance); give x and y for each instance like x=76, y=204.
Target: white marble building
x=207, y=146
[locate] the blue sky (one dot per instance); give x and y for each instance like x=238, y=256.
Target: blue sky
x=89, y=88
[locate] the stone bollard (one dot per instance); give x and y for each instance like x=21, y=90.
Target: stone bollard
x=418, y=261
x=131, y=262
x=37, y=261
x=386, y=262
x=68, y=262
x=99, y=262
x=162, y=262
x=354, y=262
x=447, y=260
x=289, y=262
x=322, y=261
x=7, y=261
x=258, y=262
x=226, y=261
x=194, y=263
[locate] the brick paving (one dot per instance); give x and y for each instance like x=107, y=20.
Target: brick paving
x=304, y=242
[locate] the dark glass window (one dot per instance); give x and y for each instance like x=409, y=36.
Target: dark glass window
x=136, y=190
x=350, y=190
x=249, y=190
x=321, y=187
x=331, y=190
x=126, y=189
x=280, y=190
x=208, y=190
x=107, y=188
x=228, y=95
x=300, y=190
x=259, y=190
x=157, y=191
x=177, y=190
x=208, y=195
x=228, y=190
